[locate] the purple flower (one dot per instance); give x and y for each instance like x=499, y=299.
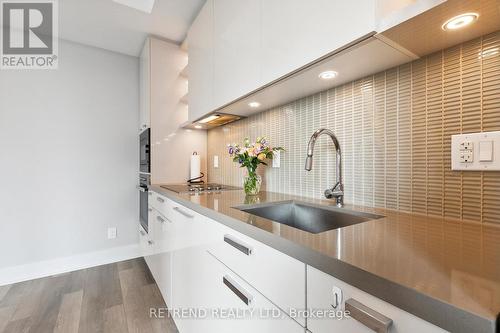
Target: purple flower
x=231, y=150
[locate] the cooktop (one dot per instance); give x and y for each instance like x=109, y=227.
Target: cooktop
x=199, y=188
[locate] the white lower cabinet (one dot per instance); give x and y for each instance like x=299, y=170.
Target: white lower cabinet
x=278, y=276
x=320, y=297
x=225, y=303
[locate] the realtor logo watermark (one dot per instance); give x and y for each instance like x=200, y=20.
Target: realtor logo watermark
x=29, y=34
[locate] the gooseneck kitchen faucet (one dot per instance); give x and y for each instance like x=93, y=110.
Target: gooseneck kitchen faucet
x=336, y=191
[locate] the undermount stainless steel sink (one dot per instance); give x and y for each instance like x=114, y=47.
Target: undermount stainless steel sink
x=308, y=217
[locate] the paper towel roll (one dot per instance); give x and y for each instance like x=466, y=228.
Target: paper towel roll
x=195, y=166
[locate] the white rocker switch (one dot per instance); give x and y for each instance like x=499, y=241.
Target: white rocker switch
x=486, y=151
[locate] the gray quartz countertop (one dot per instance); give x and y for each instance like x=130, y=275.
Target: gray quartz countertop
x=444, y=271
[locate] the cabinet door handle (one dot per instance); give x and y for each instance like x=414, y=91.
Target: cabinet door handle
x=237, y=290
x=163, y=220
x=368, y=317
x=180, y=211
x=160, y=199
x=238, y=245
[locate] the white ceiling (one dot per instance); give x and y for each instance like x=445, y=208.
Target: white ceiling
x=109, y=25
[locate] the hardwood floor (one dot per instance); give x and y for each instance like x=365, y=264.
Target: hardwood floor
x=110, y=298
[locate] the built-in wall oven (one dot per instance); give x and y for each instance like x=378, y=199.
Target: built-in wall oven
x=145, y=151
x=144, y=182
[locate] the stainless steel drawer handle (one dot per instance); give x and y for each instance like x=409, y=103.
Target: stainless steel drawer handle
x=160, y=199
x=368, y=317
x=237, y=290
x=238, y=245
x=180, y=211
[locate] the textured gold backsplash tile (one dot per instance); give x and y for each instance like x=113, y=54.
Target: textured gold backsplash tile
x=395, y=130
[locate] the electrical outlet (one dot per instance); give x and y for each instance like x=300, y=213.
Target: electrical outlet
x=466, y=156
x=466, y=145
x=216, y=161
x=276, y=159
x=337, y=297
x=111, y=233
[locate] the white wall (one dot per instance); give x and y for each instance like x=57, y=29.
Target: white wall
x=68, y=156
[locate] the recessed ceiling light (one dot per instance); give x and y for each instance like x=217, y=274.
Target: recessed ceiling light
x=142, y=5
x=254, y=104
x=459, y=21
x=328, y=75
x=198, y=126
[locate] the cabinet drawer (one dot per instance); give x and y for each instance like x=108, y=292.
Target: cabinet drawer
x=161, y=204
x=218, y=290
x=320, y=297
x=276, y=275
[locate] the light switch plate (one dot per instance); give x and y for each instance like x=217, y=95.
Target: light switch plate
x=216, y=161
x=476, y=151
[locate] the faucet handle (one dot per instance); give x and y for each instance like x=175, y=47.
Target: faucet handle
x=337, y=194
x=333, y=193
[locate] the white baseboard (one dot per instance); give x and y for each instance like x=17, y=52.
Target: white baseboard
x=45, y=268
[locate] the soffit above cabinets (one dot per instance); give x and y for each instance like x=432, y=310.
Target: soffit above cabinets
x=423, y=34
x=362, y=58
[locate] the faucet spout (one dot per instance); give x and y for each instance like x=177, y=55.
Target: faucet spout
x=336, y=191
x=309, y=163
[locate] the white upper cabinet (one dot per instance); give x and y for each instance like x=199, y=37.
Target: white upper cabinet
x=237, y=46
x=144, y=86
x=297, y=32
x=201, y=63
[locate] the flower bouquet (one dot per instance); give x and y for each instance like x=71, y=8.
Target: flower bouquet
x=250, y=156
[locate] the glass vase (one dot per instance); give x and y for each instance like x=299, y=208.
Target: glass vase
x=251, y=183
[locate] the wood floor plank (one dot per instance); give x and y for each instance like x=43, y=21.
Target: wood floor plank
x=15, y=294
x=93, y=303
x=115, y=320
x=153, y=299
x=76, y=282
x=143, y=273
x=44, y=320
x=5, y=316
x=127, y=264
x=18, y=326
x=29, y=303
x=111, y=285
x=3, y=291
x=137, y=313
x=68, y=319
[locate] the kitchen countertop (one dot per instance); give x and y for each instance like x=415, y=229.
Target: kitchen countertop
x=444, y=271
